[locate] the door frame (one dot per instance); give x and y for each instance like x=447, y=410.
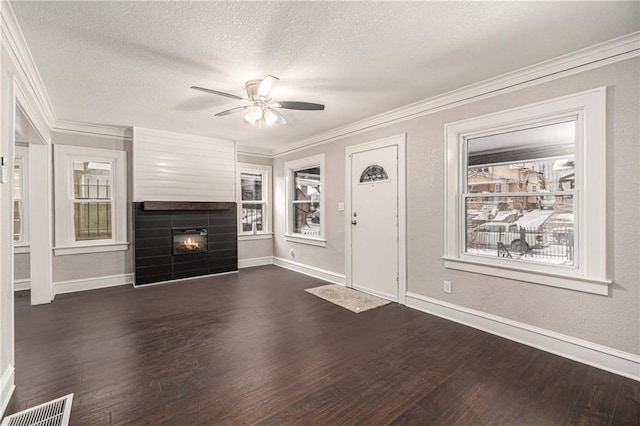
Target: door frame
x=400, y=142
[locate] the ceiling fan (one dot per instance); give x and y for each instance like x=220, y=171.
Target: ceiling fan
x=261, y=107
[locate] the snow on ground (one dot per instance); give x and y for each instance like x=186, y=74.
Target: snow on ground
x=534, y=218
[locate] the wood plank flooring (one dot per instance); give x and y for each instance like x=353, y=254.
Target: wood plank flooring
x=254, y=347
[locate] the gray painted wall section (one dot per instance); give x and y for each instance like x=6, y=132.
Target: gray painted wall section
x=612, y=320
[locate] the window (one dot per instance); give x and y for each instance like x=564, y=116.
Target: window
x=305, y=199
x=524, y=193
x=254, y=198
x=90, y=200
x=20, y=198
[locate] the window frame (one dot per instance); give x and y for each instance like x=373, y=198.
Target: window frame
x=289, y=168
x=23, y=244
x=65, y=242
x=590, y=275
x=267, y=217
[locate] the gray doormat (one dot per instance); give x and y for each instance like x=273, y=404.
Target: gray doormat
x=350, y=299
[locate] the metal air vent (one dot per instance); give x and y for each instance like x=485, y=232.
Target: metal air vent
x=52, y=413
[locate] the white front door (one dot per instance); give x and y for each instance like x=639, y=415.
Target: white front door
x=374, y=221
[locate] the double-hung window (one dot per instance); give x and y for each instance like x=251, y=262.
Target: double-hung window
x=254, y=197
x=305, y=200
x=21, y=198
x=525, y=193
x=90, y=200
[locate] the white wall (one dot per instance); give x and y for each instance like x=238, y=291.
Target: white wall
x=177, y=167
x=612, y=321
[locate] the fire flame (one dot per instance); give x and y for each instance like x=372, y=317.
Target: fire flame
x=190, y=244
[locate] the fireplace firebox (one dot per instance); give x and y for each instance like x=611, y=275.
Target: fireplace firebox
x=188, y=241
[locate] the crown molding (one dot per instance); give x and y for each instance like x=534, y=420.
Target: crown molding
x=28, y=78
x=101, y=130
x=599, y=55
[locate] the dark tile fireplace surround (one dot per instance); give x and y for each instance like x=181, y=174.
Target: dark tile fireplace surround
x=162, y=251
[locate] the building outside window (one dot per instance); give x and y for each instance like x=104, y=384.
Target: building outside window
x=90, y=200
x=305, y=200
x=254, y=195
x=524, y=193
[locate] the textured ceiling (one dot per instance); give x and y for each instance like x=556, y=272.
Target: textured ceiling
x=132, y=63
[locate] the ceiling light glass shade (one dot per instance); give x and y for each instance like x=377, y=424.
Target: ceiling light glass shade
x=250, y=118
x=270, y=118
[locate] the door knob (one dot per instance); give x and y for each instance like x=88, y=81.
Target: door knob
x=354, y=222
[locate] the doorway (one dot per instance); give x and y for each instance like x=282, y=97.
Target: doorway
x=375, y=218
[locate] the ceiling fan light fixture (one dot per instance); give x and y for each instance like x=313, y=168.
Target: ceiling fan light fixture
x=270, y=118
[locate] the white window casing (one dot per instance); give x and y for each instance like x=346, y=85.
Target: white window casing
x=589, y=272
x=266, y=173
x=290, y=167
x=65, y=241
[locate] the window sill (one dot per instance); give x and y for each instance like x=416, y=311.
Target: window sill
x=250, y=237
x=21, y=249
x=571, y=282
x=312, y=241
x=95, y=248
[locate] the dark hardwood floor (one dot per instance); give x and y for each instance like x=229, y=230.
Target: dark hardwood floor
x=254, y=347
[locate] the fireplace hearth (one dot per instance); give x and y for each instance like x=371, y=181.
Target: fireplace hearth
x=189, y=241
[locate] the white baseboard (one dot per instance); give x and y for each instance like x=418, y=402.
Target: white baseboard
x=7, y=385
x=599, y=356
x=71, y=286
x=312, y=271
x=21, y=285
x=255, y=261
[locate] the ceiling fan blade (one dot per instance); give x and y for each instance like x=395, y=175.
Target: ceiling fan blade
x=232, y=110
x=266, y=86
x=215, y=92
x=304, y=106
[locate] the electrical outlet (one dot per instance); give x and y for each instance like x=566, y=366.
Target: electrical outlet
x=447, y=287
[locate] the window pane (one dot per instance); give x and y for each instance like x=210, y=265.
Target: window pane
x=307, y=184
x=251, y=214
x=92, y=180
x=306, y=218
x=92, y=221
x=17, y=220
x=17, y=178
x=521, y=228
x=251, y=186
x=536, y=159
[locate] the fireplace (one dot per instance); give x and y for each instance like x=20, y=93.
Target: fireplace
x=188, y=241
x=178, y=240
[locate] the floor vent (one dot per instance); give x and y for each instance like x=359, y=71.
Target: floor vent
x=52, y=413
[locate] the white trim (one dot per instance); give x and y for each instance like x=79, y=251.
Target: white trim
x=181, y=279
x=90, y=248
x=255, y=261
x=29, y=77
x=251, y=237
x=21, y=249
x=312, y=271
x=595, y=355
x=301, y=239
x=22, y=284
x=400, y=142
x=592, y=57
x=101, y=130
x=72, y=286
x=7, y=386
